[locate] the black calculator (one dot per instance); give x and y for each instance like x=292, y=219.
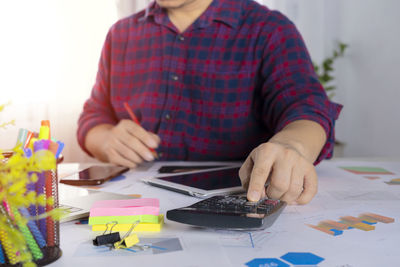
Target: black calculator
x=229, y=212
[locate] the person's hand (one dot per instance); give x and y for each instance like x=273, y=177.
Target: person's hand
x=278, y=171
x=128, y=144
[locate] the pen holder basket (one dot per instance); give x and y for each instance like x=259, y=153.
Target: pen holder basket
x=31, y=225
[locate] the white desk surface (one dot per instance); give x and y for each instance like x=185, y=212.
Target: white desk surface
x=341, y=193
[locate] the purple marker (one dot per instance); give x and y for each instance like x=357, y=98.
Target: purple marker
x=40, y=186
x=31, y=186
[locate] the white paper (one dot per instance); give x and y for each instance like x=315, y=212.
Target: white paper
x=341, y=193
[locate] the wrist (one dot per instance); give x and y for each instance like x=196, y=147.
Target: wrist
x=305, y=137
x=96, y=141
x=291, y=144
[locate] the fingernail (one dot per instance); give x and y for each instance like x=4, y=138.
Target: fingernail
x=253, y=195
x=153, y=144
x=149, y=156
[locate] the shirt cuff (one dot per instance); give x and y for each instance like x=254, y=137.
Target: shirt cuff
x=326, y=120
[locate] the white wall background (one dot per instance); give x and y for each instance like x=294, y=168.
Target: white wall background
x=367, y=77
x=49, y=52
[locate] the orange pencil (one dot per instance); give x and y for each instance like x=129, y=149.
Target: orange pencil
x=135, y=119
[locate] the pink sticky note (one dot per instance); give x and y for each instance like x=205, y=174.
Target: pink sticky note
x=126, y=207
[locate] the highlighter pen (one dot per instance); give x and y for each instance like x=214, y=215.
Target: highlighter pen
x=22, y=133
x=33, y=228
x=2, y=258
x=26, y=233
x=60, y=149
x=28, y=139
x=135, y=119
x=12, y=254
x=44, y=132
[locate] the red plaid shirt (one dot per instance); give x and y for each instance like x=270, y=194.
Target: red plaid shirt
x=234, y=78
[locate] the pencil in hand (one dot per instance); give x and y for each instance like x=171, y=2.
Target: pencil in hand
x=135, y=119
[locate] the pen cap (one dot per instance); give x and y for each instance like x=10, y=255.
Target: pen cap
x=45, y=123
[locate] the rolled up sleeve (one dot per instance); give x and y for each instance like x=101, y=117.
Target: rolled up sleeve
x=97, y=109
x=291, y=90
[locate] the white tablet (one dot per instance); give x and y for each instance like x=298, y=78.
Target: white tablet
x=202, y=184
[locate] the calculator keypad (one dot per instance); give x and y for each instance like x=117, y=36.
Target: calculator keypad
x=236, y=204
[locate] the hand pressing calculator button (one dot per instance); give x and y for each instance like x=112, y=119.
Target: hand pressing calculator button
x=229, y=212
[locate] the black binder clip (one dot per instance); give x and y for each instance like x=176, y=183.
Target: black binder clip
x=106, y=239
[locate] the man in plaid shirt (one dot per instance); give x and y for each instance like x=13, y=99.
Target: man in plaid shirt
x=212, y=80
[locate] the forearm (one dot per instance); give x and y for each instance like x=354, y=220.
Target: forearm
x=306, y=137
x=95, y=138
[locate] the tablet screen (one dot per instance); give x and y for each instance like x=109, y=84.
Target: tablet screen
x=210, y=180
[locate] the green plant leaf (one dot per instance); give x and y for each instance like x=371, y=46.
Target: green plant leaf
x=330, y=88
x=324, y=69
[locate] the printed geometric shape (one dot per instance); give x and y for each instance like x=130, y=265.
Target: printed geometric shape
x=364, y=226
x=377, y=217
x=302, y=258
x=372, y=177
x=336, y=232
x=326, y=230
x=329, y=228
x=394, y=182
x=348, y=225
x=266, y=262
x=357, y=223
x=368, y=222
x=366, y=170
x=336, y=225
x=166, y=245
x=351, y=219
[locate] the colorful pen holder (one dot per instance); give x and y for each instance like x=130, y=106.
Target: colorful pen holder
x=27, y=232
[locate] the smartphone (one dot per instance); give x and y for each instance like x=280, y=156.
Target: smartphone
x=94, y=175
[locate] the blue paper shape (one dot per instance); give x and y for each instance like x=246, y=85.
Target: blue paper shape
x=336, y=232
x=302, y=258
x=266, y=262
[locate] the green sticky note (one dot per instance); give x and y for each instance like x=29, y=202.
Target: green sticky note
x=123, y=219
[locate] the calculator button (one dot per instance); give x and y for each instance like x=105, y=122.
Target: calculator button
x=264, y=209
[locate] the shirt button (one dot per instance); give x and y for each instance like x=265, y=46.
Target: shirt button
x=167, y=116
x=175, y=77
x=181, y=38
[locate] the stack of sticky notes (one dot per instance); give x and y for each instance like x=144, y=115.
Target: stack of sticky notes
x=138, y=215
